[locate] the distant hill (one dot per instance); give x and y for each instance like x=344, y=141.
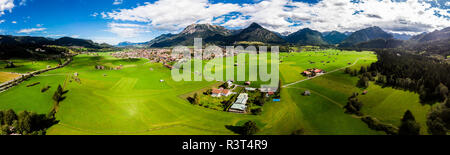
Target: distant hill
x=365, y=35
x=68, y=41
x=433, y=43
x=160, y=38
x=306, y=37
x=26, y=46
x=131, y=44
x=436, y=42
x=334, y=37
x=432, y=36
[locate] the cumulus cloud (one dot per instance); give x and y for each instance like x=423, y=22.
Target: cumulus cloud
x=405, y=17
x=23, y=2
x=127, y=30
x=172, y=15
x=117, y=2
x=6, y=5
x=31, y=30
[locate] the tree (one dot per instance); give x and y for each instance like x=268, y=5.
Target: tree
x=363, y=82
x=447, y=104
x=9, y=117
x=57, y=95
x=438, y=120
x=24, y=123
x=249, y=128
x=2, y=115
x=382, y=79
x=347, y=70
x=59, y=61
x=196, y=99
x=409, y=126
x=362, y=70
x=442, y=91
x=208, y=92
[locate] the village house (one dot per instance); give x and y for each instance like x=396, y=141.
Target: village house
x=230, y=83
x=250, y=89
x=220, y=92
x=270, y=93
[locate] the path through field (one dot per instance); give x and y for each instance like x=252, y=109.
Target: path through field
x=287, y=85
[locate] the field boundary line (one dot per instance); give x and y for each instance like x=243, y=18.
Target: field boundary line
x=321, y=95
x=290, y=84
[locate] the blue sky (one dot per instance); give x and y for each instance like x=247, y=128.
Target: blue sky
x=113, y=21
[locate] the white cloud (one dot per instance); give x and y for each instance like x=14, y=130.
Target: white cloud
x=127, y=30
x=117, y=2
x=2, y=21
x=409, y=16
x=23, y=3
x=173, y=15
x=6, y=5
x=447, y=4
x=39, y=25
x=95, y=14
x=14, y=22
x=31, y=30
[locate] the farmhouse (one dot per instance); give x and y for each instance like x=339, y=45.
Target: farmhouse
x=312, y=72
x=220, y=92
x=240, y=105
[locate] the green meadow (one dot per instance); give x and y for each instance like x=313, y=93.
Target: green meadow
x=134, y=101
x=24, y=66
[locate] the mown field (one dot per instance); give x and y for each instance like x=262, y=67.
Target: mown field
x=134, y=101
x=24, y=66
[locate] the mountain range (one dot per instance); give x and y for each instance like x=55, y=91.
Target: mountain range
x=436, y=42
x=218, y=35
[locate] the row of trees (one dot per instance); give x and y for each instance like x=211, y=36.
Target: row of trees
x=25, y=123
x=353, y=105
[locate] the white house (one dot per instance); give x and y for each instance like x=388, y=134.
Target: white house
x=240, y=105
x=242, y=99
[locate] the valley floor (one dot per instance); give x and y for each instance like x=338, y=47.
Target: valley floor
x=134, y=101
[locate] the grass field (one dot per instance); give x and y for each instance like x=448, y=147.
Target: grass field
x=134, y=101
x=389, y=105
x=24, y=66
